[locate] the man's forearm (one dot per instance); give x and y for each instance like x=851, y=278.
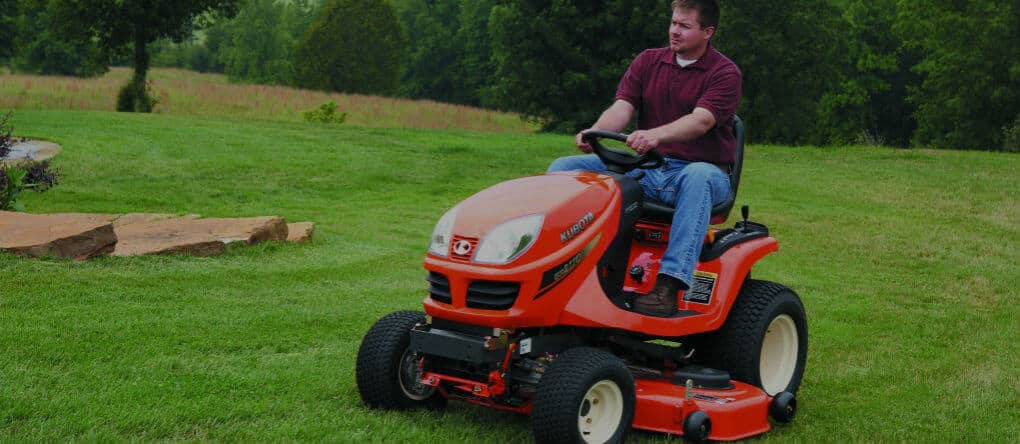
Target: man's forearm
x=616, y=117
x=688, y=127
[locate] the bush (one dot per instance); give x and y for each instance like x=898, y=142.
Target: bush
x=1011, y=136
x=135, y=98
x=325, y=113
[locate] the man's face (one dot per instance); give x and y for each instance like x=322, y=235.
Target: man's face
x=686, y=37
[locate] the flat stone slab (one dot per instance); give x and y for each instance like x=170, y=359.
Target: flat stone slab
x=300, y=231
x=34, y=150
x=85, y=235
x=62, y=235
x=200, y=237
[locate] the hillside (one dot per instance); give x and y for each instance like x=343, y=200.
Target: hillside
x=190, y=93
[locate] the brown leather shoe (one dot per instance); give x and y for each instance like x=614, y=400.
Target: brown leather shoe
x=661, y=301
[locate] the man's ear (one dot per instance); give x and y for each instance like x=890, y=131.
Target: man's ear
x=709, y=32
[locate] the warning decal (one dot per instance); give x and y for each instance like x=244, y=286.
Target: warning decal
x=701, y=290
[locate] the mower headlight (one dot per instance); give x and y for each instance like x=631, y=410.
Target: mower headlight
x=440, y=244
x=509, y=240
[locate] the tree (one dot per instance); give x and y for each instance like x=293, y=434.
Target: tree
x=262, y=39
x=560, y=61
x=449, y=57
x=791, y=55
x=115, y=24
x=870, y=104
x=970, y=93
x=354, y=46
x=8, y=11
x=40, y=49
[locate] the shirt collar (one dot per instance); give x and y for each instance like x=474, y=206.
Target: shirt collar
x=702, y=64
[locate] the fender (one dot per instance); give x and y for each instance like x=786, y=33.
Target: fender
x=591, y=308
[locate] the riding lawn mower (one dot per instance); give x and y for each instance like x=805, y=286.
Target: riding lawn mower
x=529, y=309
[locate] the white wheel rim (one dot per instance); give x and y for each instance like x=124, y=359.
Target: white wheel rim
x=409, y=378
x=600, y=413
x=779, y=354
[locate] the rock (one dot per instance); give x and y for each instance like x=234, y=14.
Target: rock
x=300, y=231
x=36, y=150
x=248, y=229
x=70, y=236
x=201, y=237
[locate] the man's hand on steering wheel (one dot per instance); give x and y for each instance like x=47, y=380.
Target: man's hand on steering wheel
x=643, y=141
x=581, y=144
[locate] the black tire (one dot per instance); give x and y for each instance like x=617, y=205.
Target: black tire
x=384, y=379
x=571, y=390
x=697, y=426
x=783, y=407
x=737, y=347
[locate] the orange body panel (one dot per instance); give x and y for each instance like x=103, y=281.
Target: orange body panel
x=577, y=299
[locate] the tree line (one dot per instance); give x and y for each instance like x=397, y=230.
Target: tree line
x=941, y=73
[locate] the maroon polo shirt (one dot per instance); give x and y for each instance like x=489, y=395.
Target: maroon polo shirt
x=662, y=92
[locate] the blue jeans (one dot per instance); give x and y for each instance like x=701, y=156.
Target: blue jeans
x=693, y=188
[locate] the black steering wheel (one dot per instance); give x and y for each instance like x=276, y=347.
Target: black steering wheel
x=620, y=161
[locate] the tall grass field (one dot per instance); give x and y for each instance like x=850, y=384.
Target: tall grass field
x=182, y=92
x=906, y=261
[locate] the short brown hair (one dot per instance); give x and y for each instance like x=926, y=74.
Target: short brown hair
x=708, y=11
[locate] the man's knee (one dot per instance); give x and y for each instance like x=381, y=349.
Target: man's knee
x=569, y=163
x=701, y=171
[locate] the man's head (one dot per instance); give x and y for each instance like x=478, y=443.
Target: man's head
x=692, y=26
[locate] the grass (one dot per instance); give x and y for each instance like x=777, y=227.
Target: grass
x=905, y=259
x=190, y=93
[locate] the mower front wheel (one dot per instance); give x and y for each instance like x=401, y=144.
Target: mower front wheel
x=387, y=371
x=585, y=396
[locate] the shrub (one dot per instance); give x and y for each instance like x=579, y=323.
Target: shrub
x=325, y=113
x=6, y=142
x=1011, y=136
x=136, y=98
x=15, y=178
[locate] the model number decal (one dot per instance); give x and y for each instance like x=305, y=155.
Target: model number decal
x=553, y=276
x=575, y=229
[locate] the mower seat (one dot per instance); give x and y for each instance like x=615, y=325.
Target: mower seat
x=659, y=212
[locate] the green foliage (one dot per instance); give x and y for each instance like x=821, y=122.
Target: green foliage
x=8, y=14
x=136, y=97
x=560, y=61
x=325, y=113
x=869, y=104
x=36, y=46
x=1011, y=136
x=355, y=46
x=790, y=57
x=971, y=70
x=449, y=56
x=262, y=39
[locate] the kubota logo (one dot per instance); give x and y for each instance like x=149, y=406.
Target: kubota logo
x=462, y=247
x=577, y=228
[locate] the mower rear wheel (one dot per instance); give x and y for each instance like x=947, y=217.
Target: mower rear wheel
x=585, y=396
x=764, y=339
x=387, y=371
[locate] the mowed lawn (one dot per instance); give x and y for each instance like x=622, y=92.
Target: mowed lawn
x=906, y=261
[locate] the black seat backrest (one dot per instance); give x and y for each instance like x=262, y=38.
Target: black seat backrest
x=658, y=212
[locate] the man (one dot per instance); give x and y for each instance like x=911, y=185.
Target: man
x=685, y=96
